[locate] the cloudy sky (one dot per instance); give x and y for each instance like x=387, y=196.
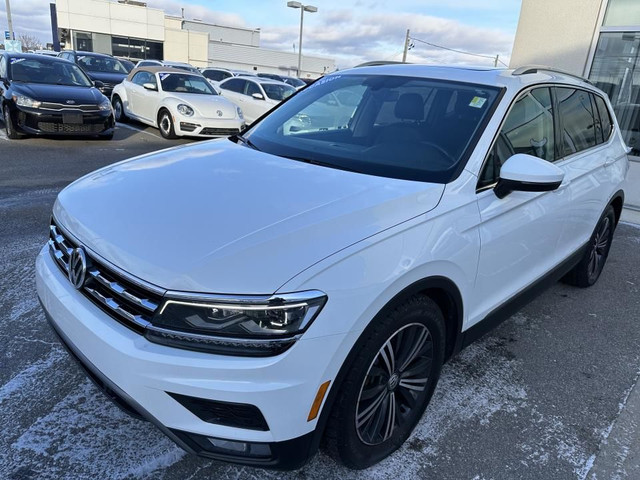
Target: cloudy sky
x=351, y=31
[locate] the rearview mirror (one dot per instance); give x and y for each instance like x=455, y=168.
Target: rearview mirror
x=526, y=173
x=258, y=96
x=150, y=86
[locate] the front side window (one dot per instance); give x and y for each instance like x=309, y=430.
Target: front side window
x=252, y=88
x=426, y=138
x=528, y=128
x=141, y=78
x=578, y=123
x=277, y=91
x=185, y=83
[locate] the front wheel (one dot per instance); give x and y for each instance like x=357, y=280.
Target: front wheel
x=587, y=272
x=118, y=110
x=165, y=124
x=8, y=125
x=388, y=386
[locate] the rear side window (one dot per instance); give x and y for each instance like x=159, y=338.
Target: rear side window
x=528, y=128
x=578, y=122
x=606, y=125
x=234, y=85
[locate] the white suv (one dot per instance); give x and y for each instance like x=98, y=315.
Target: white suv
x=252, y=296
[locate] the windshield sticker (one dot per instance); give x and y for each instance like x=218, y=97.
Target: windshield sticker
x=477, y=102
x=164, y=75
x=17, y=60
x=326, y=80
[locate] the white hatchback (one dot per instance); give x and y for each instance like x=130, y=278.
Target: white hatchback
x=255, y=295
x=177, y=102
x=255, y=95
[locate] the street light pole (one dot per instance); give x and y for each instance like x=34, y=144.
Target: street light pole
x=303, y=8
x=11, y=34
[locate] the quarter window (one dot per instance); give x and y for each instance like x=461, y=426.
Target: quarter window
x=528, y=128
x=578, y=124
x=605, y=117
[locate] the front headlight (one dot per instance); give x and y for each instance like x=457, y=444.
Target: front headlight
x=249, y=326
x=105, y=105
x=185, y=110
x=24, y=101
x=240, y=115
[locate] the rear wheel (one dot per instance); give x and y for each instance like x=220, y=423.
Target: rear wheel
x=8, y=125
x=587, y=272
x=388, y=386
x=165, y=124
x=118, y=110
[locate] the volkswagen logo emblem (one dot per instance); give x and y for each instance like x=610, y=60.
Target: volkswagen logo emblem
x=77, y=267
x=71, y=102
x=219, y=112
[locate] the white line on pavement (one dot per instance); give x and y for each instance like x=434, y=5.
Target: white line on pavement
x=131, y=127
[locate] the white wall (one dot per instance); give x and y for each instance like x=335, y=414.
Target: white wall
x=267, y=61
x=112, y=18
x=557, y=33
x=220, y=33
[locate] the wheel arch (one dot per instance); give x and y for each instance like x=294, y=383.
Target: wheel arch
x=617, y=202
x=444, y=292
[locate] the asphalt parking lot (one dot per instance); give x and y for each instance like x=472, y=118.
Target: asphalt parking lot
x=551, y=394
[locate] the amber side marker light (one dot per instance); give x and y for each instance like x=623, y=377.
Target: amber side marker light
x=317, y=403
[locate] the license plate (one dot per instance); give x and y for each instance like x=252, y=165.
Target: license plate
x=71, y=118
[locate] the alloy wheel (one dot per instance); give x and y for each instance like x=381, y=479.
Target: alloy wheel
x=118, y=110
x=165, y=124
x=396, y=378
x=599, y=248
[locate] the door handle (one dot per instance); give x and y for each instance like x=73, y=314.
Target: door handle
x=610, y=161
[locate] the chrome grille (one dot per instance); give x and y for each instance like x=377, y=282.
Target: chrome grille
x=130, y=302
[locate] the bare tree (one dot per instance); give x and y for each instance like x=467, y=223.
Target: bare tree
x=30, y=42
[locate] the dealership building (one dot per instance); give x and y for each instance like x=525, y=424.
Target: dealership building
x=129, y=28
x=596, y=39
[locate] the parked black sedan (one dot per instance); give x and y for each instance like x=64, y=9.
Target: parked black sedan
x=50, y=96
x=99, y=67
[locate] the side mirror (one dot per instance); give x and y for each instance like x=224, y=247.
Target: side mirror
x=258, y=96
x=526, y=173
x=98, y=84
x=150, y=86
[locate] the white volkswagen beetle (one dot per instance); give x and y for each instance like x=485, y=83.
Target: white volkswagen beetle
x=177, y=102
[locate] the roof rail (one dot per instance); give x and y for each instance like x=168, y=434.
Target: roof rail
x=377, y=63
x=528, y=69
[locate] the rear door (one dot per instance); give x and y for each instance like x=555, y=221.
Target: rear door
x=521, y=232
x=585, y=144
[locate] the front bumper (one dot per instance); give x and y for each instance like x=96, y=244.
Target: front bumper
x=140, y=376
x=38, y=122
x=196, y=126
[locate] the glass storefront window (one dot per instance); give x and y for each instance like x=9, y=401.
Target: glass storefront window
x=616, y=71
x=621, y=13
x=83, y=41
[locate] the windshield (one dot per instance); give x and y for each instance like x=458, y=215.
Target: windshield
x=391, y=126
x=278, y=92
x=32, y=70
x=101, y=64
x=185, y=83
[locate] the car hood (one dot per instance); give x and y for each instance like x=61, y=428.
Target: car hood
x=208, y=105
x=59, y=93
x=222, y=218
x=111, y=78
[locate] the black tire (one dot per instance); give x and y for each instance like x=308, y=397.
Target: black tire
x=359, y=433
x=8, y=124
x=118, y=110
x=165, y=125
x=587, y=272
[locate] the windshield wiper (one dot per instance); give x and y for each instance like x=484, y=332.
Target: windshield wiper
x=246, y=141
x=319, y=163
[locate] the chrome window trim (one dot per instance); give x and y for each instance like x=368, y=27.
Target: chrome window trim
x=560, y=160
